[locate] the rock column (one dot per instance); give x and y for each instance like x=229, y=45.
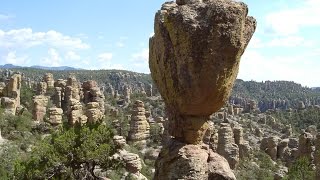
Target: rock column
x=139, y=127
x=194, y=59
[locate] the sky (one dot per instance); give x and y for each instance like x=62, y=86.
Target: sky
x=99, y=34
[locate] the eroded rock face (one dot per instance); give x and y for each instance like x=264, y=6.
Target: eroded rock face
x=188, y=161
x=194, y=60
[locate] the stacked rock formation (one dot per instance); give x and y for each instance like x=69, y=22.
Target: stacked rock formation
x=94, y=100
x=59, y=95
x=244, y=147
x=41, y=88
x=40, y=103
x=194, y=59
x=10, y=94
x=48, y=78
x=75, y=112
x=227, y=146
x=72, y=89
x=139, y=127
x=55, y=116
x=132, y=161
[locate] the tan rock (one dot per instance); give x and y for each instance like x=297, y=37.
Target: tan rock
x=139, y=127
x=48, y=78
x=55, y=116
x=75, y=112
x=42, y=88
x=40, y=103
x=188, y=161
x=305, y=145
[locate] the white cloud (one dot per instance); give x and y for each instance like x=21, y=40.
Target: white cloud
x=26, y=38
x=259, y=67
x=12, y=58
x=290, y=41
x=142, y=56
x=71, y=55
x=105, y=57
x=289, y=21
x=53, y=58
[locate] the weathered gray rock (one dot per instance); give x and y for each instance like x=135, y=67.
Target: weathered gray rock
x=270, y=146
x=194, y=61
x=187, y=161
x=305, y=145
x=226, y=145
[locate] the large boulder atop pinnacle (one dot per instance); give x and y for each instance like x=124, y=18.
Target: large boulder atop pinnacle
x=195, y=53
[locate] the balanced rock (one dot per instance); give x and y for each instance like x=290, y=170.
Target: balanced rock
x=194, y=59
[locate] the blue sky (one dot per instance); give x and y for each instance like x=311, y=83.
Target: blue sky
x=101, y=34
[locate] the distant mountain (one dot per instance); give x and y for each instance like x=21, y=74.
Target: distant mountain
x=9, y=66
x=59, y=68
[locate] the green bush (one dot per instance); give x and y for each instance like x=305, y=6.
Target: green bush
x=301, y=170
x=70, y=153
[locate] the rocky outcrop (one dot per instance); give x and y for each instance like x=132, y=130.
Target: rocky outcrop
x=55, y=116
x=94, y=100
x=305, y=145
x=270, y=146
x=42, y=88
x=139, y=126
x=40, y=103
x=10, y=94
x=48, y=78
x=131, y=161
x=75, y=112
x=133, y=166
x=188, y=161
x=194, y=60
x=226, y=145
